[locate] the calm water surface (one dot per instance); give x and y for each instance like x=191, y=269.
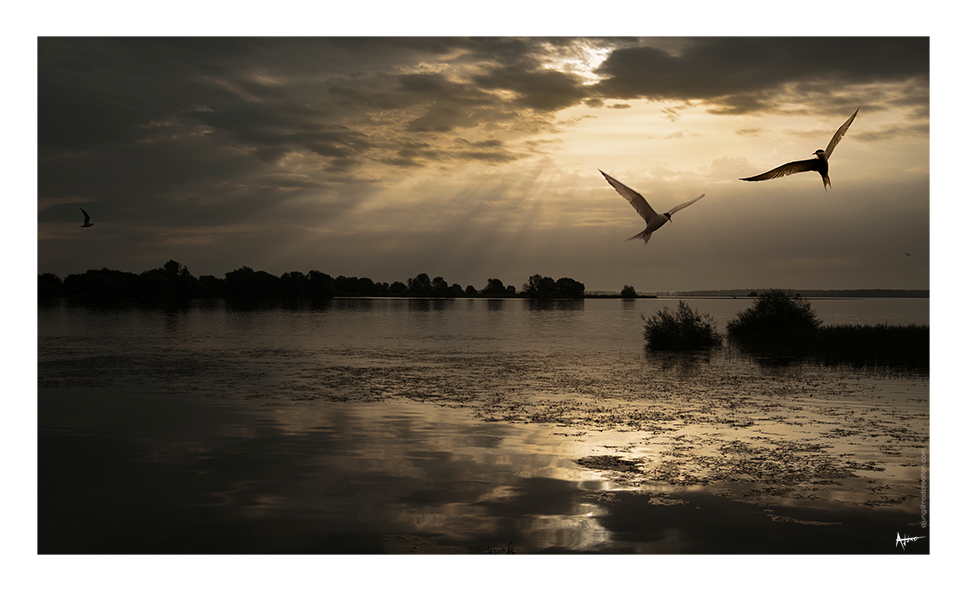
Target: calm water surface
x=464, y=426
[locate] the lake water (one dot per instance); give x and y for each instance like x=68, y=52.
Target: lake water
x=465, y=426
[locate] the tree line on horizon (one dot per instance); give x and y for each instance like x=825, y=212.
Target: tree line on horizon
x=174, y=282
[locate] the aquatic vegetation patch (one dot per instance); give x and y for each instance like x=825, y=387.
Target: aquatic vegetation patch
x=612, y=463
x=780, y=324
x=881, y=344
x=681, y=331
x=776, y=317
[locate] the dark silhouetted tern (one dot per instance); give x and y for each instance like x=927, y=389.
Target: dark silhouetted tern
x=654, y=220
x=818, y=164
x=87, y=219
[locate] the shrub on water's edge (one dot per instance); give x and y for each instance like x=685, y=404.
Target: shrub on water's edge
x=681, y=331
x=775, y=315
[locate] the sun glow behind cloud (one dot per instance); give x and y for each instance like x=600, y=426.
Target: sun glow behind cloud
x=581, y=59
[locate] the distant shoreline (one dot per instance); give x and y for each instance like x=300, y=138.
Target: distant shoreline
x=808, y=293
x=174, y=282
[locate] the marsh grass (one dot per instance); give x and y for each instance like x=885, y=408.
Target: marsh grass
x=682, y=331
x=881, y=344
x=781, y=324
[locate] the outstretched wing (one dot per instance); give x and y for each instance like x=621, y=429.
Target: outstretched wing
x=785, y=170
x=87, y=218
x=839, y=135
x=637, y=202
x=685, y=204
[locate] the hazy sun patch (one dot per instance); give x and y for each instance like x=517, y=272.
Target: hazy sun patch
x=579, y=58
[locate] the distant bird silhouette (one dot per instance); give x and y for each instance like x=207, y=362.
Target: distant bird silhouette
x=818, y=164
x=87, y=219
x=654, y=220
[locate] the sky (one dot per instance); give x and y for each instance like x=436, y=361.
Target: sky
x=478, y=157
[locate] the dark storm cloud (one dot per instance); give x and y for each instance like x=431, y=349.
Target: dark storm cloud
x=456, y=104
x=258, y=92
x=273, y=133
x=743, y=75
x=539, y=89
x=95, y=91
x=185, y=130
x=265, y=98
x=449, y=104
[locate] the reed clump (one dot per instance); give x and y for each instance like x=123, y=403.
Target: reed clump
x=881, y=344
x=683, y=330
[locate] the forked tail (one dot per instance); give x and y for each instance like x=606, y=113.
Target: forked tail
x=642, y=236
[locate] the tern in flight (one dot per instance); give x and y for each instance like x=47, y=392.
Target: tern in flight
x=87, y=219
x=819, y=163
x=654, y=220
